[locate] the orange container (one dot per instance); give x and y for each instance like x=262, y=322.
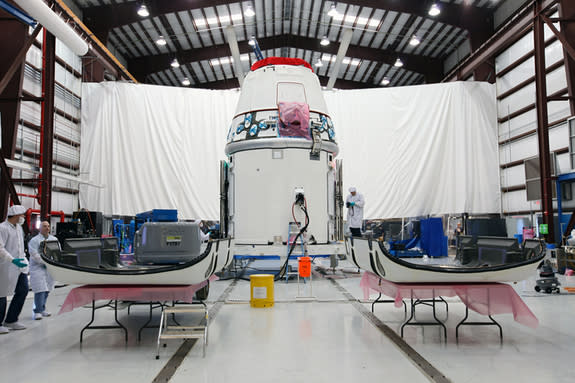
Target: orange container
x=304, y=267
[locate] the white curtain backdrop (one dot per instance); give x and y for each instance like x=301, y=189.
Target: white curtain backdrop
x=410, y=151
x=153, y=147
x=419, y=150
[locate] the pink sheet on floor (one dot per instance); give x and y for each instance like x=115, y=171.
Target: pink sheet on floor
x=83, y=295
x=483, y=298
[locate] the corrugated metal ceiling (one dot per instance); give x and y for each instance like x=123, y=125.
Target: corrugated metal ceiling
x=195, y=35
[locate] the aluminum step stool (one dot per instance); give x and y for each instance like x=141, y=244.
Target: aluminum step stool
x=183, y=332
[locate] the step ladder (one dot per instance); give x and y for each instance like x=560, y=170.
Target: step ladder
x=298, y=251
x=167, y=331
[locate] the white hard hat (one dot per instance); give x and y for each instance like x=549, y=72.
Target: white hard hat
x=352, y=189
x=16, y=210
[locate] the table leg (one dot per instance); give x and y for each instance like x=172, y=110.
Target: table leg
x=90, y=327
x=147, y=322
x=387, y=301
x=492, y=321
x=437, y=322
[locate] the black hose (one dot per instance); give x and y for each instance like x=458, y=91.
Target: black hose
x=282, y=270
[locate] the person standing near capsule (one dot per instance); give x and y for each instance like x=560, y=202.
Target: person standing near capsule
x=13, y=269
x=354, y=203
x=41, y=281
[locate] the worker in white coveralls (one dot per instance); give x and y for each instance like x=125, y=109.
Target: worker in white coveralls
x=41, y=281
x=13, y=269
x=354, y=203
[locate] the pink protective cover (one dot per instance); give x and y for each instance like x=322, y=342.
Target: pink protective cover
x=84, y=295
x=483, y=298
x=294, y=119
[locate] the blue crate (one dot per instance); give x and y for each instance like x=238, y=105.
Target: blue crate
x=159, y=215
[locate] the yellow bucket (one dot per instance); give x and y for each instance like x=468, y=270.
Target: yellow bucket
x=262, y=290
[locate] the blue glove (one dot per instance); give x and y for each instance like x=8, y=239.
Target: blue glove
x=352, y=204
x=19, y=262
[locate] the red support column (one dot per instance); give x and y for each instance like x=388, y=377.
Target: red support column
x=542, y=124
x=14, y=36
x=48, y=83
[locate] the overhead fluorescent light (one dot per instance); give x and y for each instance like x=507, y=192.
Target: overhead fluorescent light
x=328, y=57
x=175, y=63
x=398, y=63
x=332, y=11
x=186, y=81
x=324, y=41
x=249, y=12
x=143, y=11
x=385, y=81
x=161, y=41
x=338, y=17
x=414, y=41
x=374, y=23
x=213, y=21
x=361, y=21
x=434, y=10
x=318, y=63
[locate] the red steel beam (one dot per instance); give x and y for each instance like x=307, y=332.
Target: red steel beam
x=502, y=39
x=543, y=123
x=14, y=37
x=47, y=135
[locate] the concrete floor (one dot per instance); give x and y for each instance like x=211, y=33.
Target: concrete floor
x=324, y=340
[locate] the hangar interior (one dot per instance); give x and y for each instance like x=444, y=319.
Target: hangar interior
x=135, y=128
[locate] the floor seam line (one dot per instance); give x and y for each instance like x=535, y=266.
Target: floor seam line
x=172, y=365
x=430, y=371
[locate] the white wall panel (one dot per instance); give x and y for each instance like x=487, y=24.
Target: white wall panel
x=556, y=80
x=558, y=137
x=34, y=56
x=32, y=86
x=516, y=76
x=512, y=176
x=520, y=124
x=558, y=110
x=68, y=56
x=519, y=150
x=553, y=53
x=563, y=164
x=516, y=101
x=514, y=52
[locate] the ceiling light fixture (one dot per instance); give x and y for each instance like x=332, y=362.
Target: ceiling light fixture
x=186, y=81
x=161, y=41
x=249, y=12
x=434, y=10
x=385, y=81
x=175, y=63
x=143, y=11
x=324, y=41
x=332, y=11
x=398, y=63
x=318, y=63
x=414, y=41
